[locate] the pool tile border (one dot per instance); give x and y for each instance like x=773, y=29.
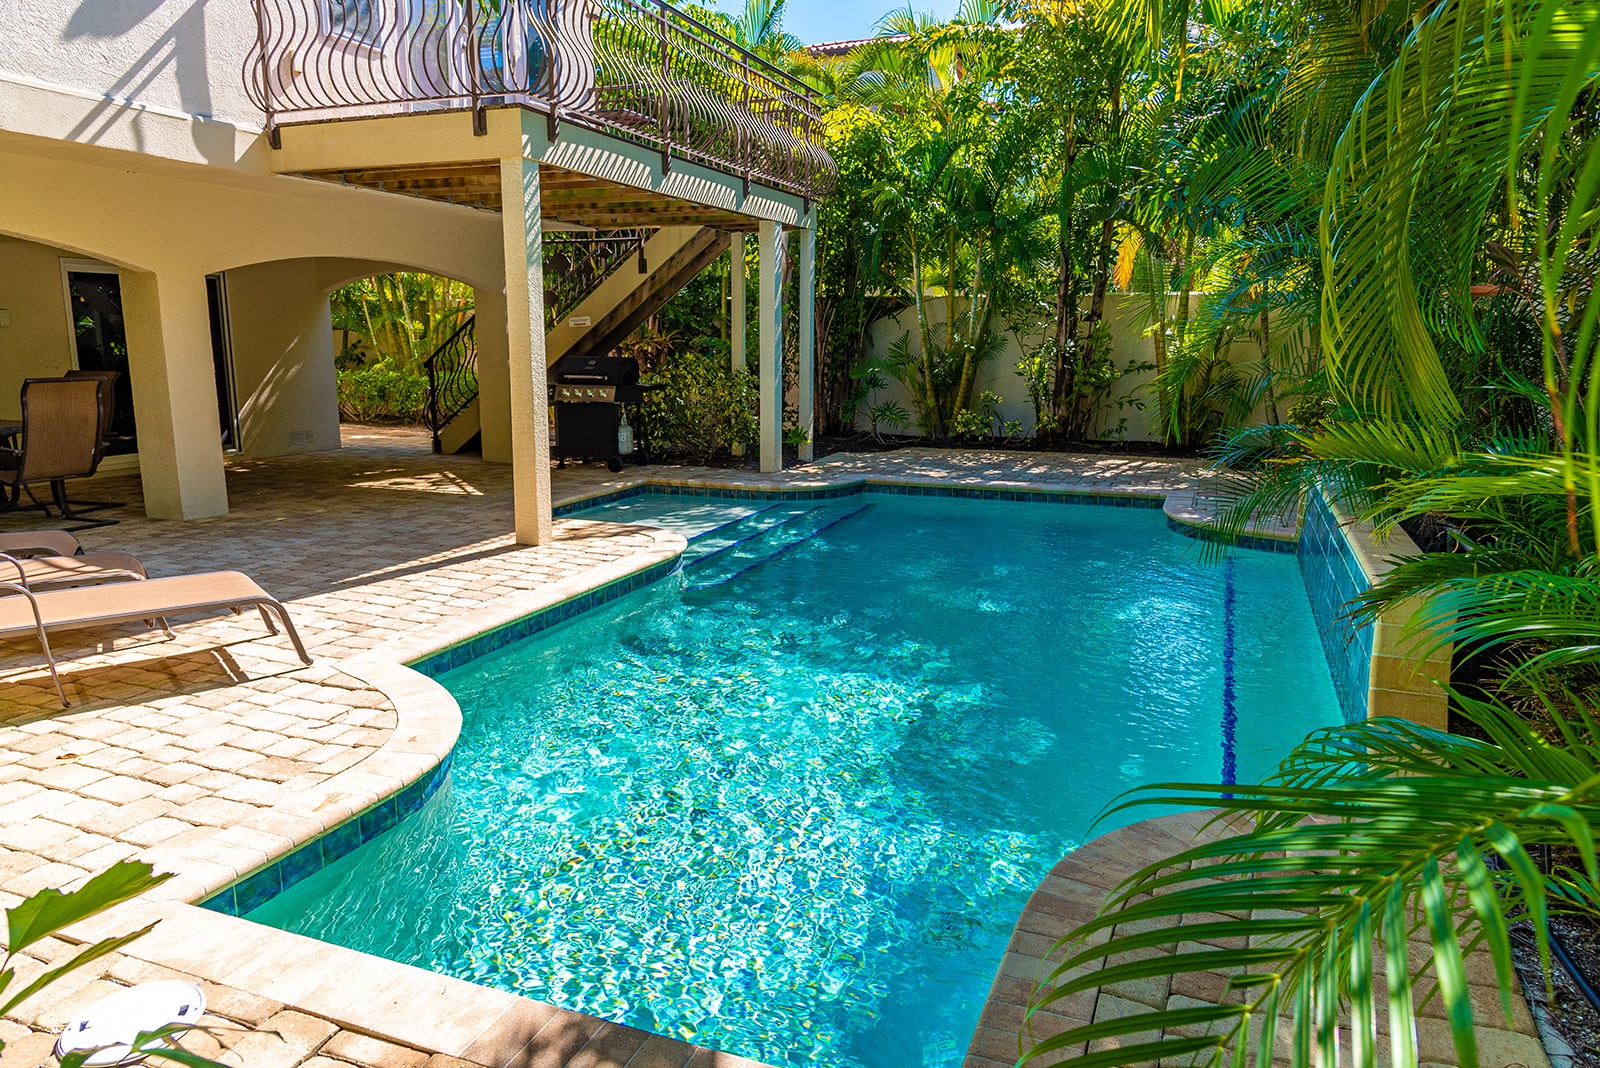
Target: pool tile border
x=1258, y=543
x=904, y=488
x=261, y=886
x=496, y=638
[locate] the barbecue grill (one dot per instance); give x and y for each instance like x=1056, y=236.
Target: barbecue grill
x=597, y=401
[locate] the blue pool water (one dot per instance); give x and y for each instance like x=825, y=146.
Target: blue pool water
x=790, y=802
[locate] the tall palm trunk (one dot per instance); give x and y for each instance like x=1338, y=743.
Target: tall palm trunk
x=977, y=324
x=935, y=422
x=1064, y=376
x=1266, y=365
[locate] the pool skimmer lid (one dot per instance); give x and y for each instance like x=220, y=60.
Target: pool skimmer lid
x=110, y=1025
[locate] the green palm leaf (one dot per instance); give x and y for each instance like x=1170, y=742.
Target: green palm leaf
x=1346, y=868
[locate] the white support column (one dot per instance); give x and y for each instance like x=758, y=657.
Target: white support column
x=168, y=323
x=769, y=303
x=736, y=328
x=494, y=384
x=806, y=400
x=523, y=243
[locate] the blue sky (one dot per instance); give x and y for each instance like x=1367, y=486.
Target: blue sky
x=839, y=20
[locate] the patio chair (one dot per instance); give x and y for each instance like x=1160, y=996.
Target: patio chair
x=108, y=418
x=25, y=612
x=60, y=440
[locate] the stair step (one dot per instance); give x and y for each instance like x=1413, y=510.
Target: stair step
x=771, y=544
x=759, y=526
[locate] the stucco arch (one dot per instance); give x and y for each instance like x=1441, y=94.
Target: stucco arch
x=9, y=229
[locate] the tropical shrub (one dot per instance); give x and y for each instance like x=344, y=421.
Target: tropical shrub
x=704, y=408
x=380, y=392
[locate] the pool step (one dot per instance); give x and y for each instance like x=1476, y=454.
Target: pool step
x=741, y=557
x=720, y=541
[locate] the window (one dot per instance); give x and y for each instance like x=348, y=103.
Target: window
x=352, y=18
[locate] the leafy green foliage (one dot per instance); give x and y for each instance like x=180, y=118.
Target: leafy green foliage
x=381, y=392
x=704, y=409
x=1368, y=838
x=402, y=318
x=49, y=912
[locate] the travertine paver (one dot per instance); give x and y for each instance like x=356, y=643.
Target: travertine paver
x=1074, y=891
x=216, y=751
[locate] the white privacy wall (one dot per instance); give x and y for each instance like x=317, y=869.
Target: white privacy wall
x=1129, y=319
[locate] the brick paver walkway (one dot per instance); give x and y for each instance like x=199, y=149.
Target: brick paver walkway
x=1074, y=891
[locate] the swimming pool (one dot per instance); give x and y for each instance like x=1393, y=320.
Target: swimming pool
x=790, y=802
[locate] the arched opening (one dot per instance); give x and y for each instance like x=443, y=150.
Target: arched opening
x=299, y=364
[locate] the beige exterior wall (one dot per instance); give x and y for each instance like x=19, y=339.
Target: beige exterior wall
x=160, y=77
x=283, y=369
x=38, y=343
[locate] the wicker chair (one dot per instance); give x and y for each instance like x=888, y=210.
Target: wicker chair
x=60, y=439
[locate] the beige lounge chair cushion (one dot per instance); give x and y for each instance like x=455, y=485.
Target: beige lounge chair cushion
x=127, y=602
x=48, y=572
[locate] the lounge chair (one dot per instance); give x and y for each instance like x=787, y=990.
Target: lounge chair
x=40, y=543
x=38, y=614
x=55, y=572
x=51, y=559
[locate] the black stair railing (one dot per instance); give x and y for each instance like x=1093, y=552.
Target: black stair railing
x=452, y=379
x=575, y=263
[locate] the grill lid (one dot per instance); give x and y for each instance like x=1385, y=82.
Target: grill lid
x=598, y=370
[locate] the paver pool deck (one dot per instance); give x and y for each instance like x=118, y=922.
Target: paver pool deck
x=214, y=753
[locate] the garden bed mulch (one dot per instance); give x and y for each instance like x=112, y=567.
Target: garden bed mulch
x=1569, y=1024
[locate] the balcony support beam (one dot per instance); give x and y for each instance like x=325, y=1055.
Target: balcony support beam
x=774, y=247
x=736, y=324
x=805, y=402
x=523, y=246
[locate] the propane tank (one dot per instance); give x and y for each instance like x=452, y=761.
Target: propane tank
x=624, y=439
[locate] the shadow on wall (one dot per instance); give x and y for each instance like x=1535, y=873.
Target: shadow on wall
x=182, y=47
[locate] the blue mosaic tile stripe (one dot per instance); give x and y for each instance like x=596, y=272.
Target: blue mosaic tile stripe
x=595, y=502
x=480, y=645
x=1333, y=576
x=258, y=887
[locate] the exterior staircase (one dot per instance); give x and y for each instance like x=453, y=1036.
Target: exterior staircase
x=601, y=288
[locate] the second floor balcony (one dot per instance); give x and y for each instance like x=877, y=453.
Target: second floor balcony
x=640, y=70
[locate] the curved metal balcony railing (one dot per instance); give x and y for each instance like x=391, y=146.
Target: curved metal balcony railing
x=640, y=70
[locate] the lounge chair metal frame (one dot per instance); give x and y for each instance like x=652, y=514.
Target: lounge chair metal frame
x=40, y=603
